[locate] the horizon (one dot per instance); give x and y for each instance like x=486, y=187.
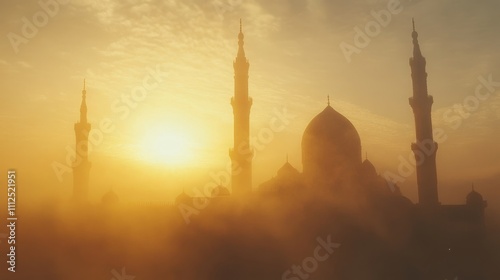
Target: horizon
x=189, y=108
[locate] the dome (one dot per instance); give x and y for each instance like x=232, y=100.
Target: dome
x=183, y=198
x=474, y=198
x=110, y=198
x=220, y=191
x=288, y=170
x=368, y=168
x=330, y=144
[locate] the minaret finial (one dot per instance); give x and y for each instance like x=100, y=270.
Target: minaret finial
x=416, y=46
x=241, y=37
x=328, y=100
x=83, y=106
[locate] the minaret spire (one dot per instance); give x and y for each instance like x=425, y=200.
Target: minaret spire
x=416, y=47
x=83, y=106
x=241, y=154
x=241, y=43
x=424, y=147
x=81, y=164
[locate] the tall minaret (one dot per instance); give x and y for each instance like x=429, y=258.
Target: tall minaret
x=241, y=154
x=81, y=164
x=424, y=148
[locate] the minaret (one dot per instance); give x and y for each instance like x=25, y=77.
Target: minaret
x=81, y=164
x=424, y=148
x=241, y=154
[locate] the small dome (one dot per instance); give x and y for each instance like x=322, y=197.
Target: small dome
x=368, y=168
x=110, y=198
x=474, y=198
x=183, y=198
x=220, y=191
x=288, y=170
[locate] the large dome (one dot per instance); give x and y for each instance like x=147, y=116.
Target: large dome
x=330, y=146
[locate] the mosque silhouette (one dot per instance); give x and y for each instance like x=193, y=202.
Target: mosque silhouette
x=427, y=240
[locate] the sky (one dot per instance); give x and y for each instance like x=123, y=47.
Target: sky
x=297, y=54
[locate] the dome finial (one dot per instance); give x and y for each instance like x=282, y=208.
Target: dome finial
x=328, y=99
x=241, y=26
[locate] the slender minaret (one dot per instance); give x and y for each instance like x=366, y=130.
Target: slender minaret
x=81, y=164
x=241, y=154
x=424, y=148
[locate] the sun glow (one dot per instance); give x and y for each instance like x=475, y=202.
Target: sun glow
x=167, y=146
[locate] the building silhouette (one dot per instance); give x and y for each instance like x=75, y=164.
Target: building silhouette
x=81, y=164
x=241, y=154
x=383, y=235
x=331, y=150
x=424, y=148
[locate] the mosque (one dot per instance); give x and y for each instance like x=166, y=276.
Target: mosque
x=331, y=149
x=333, y=167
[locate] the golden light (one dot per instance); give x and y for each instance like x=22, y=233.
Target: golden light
x=167, y=145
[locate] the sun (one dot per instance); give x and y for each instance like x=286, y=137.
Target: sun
x=167, y=146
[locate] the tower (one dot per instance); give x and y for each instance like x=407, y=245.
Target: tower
x=241, y=154
x=424, y=148
x=81, y=164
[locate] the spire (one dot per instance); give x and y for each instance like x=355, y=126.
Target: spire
x=421, y=103
x=83, y=107
x=328, y=100
x=241, y=42
x=416, y=46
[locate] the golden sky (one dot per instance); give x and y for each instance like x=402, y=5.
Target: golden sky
x=296, y=60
